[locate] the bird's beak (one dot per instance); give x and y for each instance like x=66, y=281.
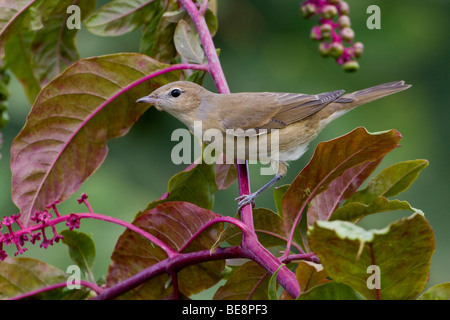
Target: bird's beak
x=149, y=99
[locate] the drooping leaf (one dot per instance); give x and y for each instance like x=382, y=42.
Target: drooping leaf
x=323, y=204
x=18, y=59
x=64, y=139
x=174, y=223
x=195, y=184
x=23, y=275
x=120, y=16
x=309, y=275
x=357, y=210
x=247, y=282
x=402, y=252
x=188, y=43
x=330, y=160
x=438, y=292
x=17, y=16
x=157, y=39
x=390, y=181
x=330, y=291
x=53, y=47
x=81, y=249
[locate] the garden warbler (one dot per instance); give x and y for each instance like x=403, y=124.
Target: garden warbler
x=294, y=119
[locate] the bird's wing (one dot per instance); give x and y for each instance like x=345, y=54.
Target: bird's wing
x=272, y=110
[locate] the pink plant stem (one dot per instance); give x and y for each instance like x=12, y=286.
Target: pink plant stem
x=231, y=220
x=253, y=248
x=216, y=71
x=165, y=266
x=88, y=215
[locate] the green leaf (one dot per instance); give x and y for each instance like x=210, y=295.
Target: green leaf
x=330, y=160
x=248, y=282
x=23, y=275
x=18, y=59
x=173, y=223
x=278, y=193
x=196, y=184
x=272, y=287
x=356, y=210
x=17, y=16
x=188, y=43
x=402, y=252
x=64, y=139
x=120, y=16
x=157, y=39
x=390, y=182
x=438, y=292
x=330, y=291
x=53, y=47
x=81, y=249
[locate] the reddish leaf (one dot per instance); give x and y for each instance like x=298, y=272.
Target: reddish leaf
x=324, y=204
x=247, y=282
x=174, y=223
x=64, y=139
x=330, y=160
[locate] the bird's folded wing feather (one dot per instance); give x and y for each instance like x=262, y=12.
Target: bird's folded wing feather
x=272, y=110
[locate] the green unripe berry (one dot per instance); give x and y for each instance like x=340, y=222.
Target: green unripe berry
x=336, y=49
x=345, y=8
x=325, y=30
x=324, y=49
x=344, y=21
x=351, y=66
x=347, y=34
x=358, y=48
x=308, y=10
x=329, y=11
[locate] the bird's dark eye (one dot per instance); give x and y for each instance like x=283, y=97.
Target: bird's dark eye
x=175, y=93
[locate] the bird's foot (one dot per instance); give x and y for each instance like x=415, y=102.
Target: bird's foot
x=246, y=199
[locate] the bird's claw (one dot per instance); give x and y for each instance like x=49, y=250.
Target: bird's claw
x=245, y=200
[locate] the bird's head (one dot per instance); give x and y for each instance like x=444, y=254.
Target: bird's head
x=177, y=98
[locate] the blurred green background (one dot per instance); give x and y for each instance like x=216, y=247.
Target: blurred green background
x=265, y=46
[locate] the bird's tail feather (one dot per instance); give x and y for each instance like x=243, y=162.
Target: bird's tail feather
x=357, y=98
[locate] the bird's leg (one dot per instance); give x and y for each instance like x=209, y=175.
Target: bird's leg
x=250, y=198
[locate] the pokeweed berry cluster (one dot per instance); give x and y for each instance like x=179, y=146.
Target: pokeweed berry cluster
x=333, y=31
x=43, y=219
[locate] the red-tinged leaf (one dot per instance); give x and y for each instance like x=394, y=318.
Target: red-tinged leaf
x=309, y=275
x=17, y=16
x=22, y=275
x=64, y=139
x=174, y=223
x=330, y=160
x=248, y=282
x=325, y=203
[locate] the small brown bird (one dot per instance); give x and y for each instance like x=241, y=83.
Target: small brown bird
x=295, y=118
